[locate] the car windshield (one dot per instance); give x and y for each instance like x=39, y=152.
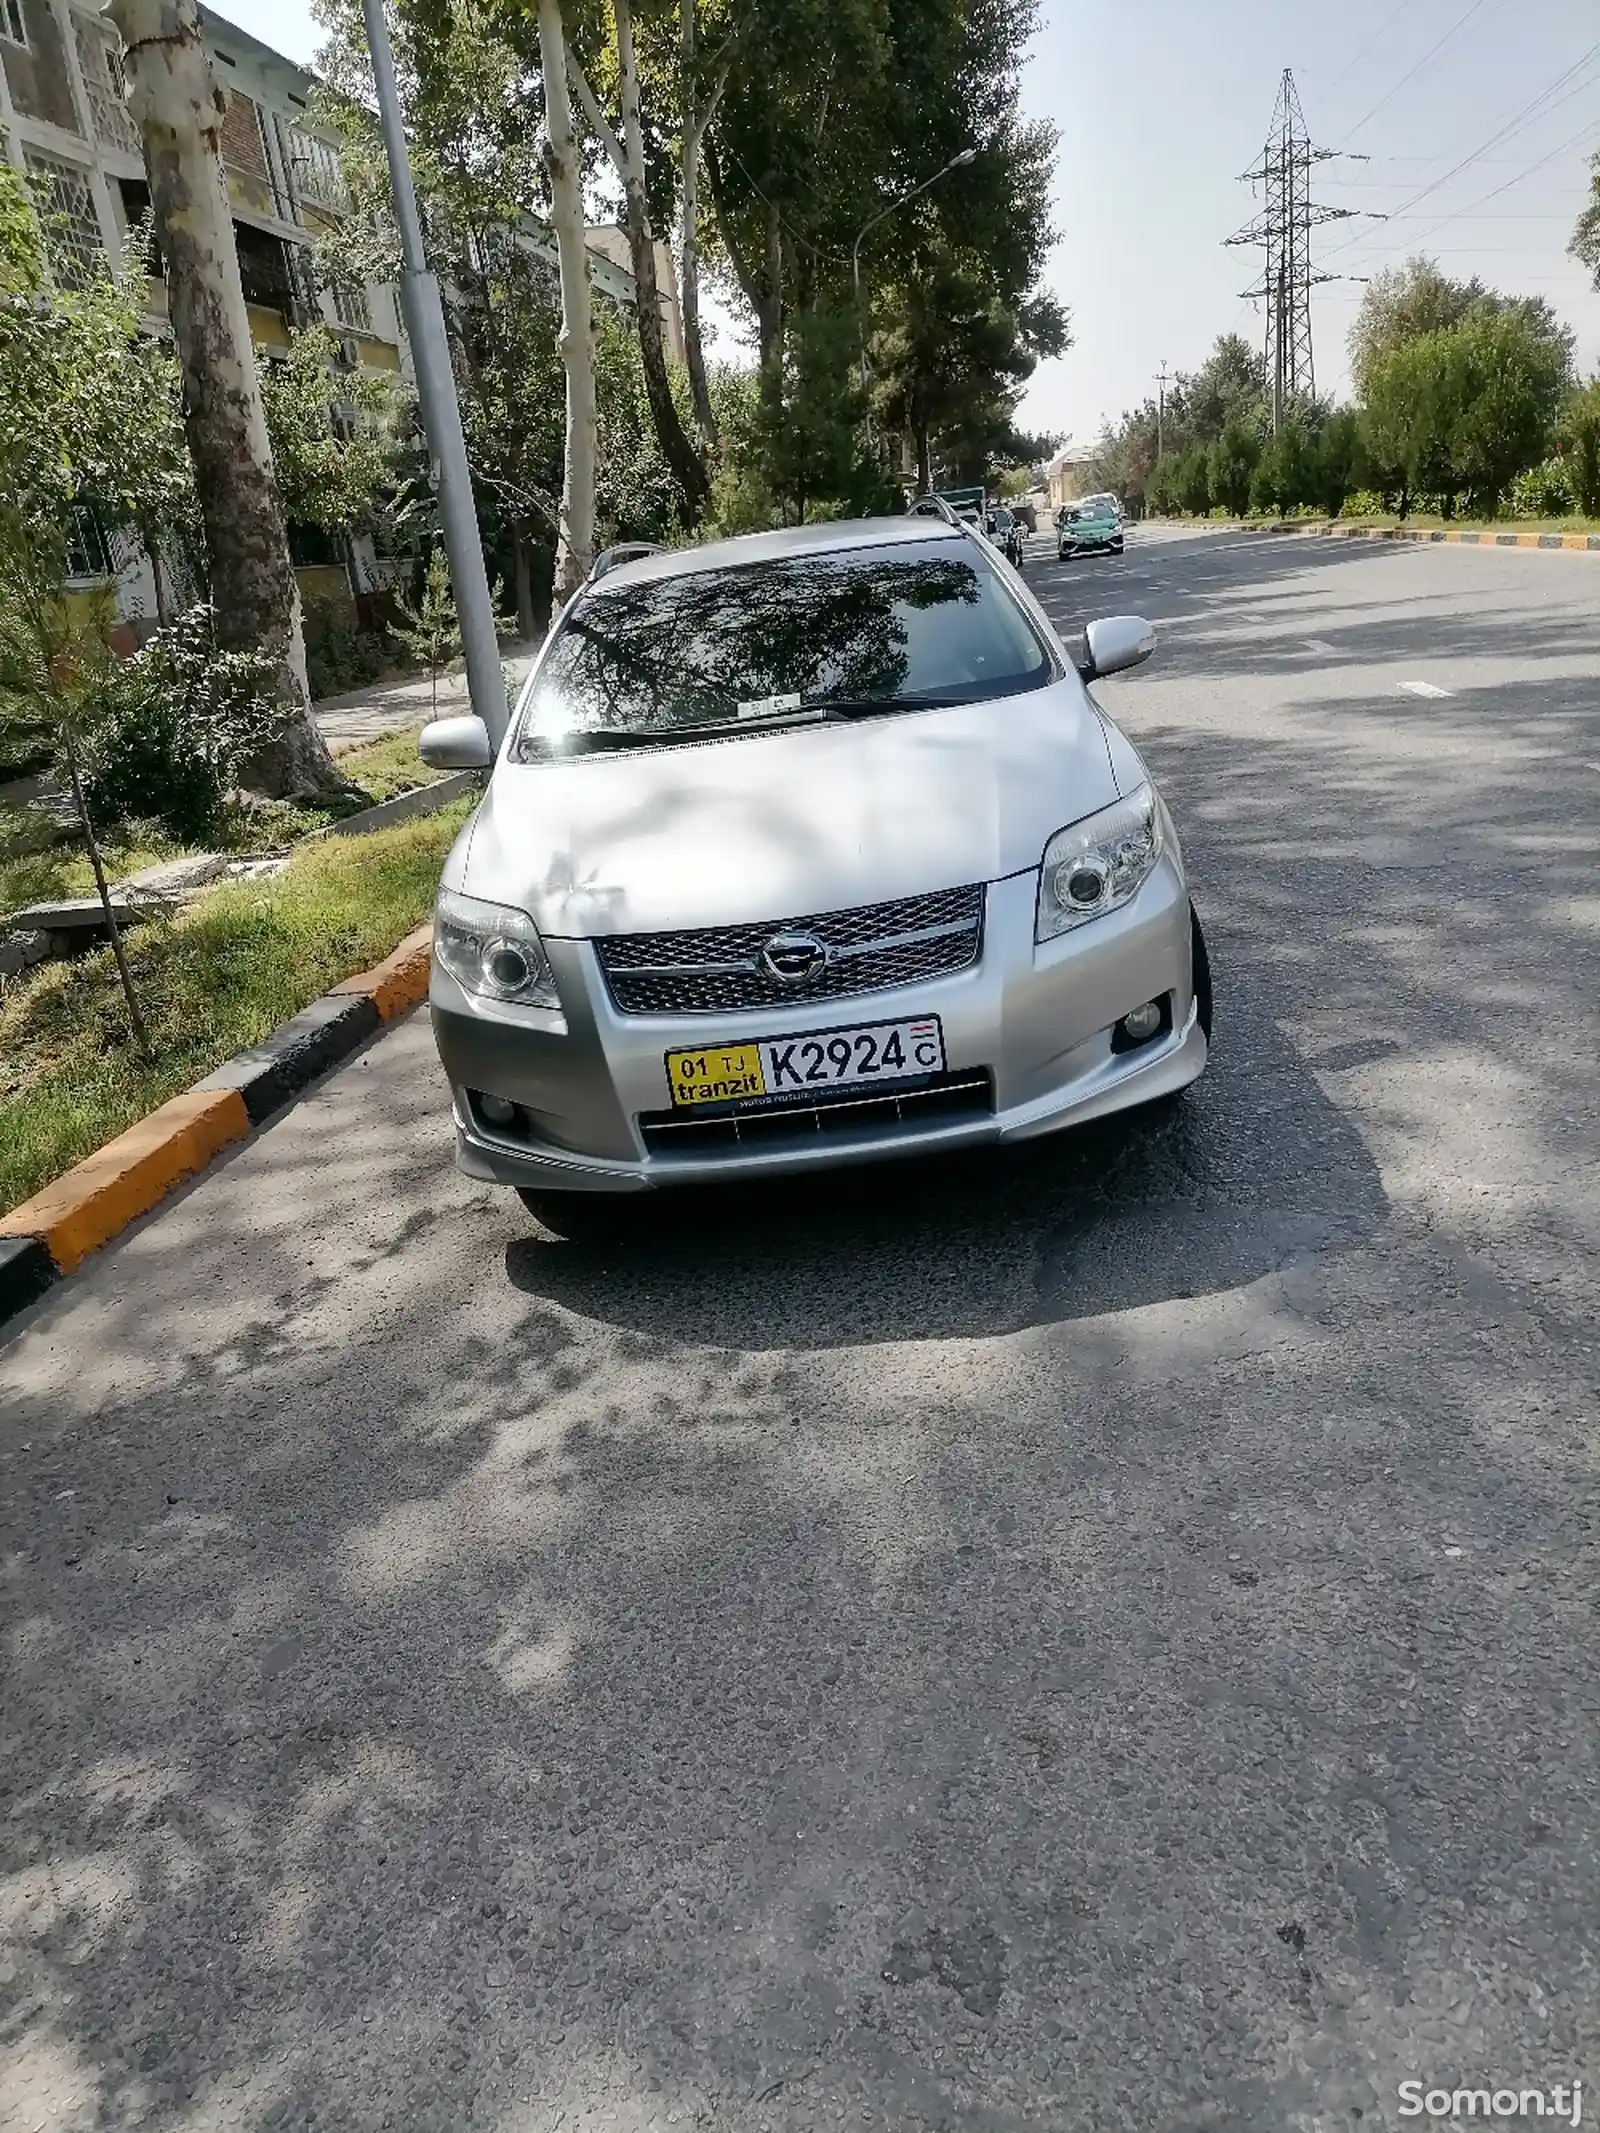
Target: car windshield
x=1002, y=519
x=843, y=634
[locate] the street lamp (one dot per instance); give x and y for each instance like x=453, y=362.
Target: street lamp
x=956, y=162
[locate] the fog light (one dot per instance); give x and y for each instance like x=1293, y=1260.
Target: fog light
x=1142, y=1023
x=498, y=1110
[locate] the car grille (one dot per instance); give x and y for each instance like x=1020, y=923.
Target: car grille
x=717, y=968
x=969, y=1094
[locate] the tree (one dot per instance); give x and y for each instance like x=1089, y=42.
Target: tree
x=1228, y=390
x=1162, y=489
x=496, y=161
x=1283, y=474
x=624, y=146
x=564, y=174
x=1232, y=463
x=1512, y=380
x=55, y=675
x=808, y=441
x=178, y=106
x=1411, y=301
x=1192, y=480
x=1585, y=245
x=1580, y=446
x=1408, y=419
x=1337, y=461
x=336, y=440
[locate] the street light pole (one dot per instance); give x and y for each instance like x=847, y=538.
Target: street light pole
x=441, y=412
x=956, y=162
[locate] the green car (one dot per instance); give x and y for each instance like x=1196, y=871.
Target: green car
x=1094, y=523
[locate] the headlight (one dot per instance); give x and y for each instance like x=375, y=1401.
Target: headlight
x=492, y=949
x=1098, y=864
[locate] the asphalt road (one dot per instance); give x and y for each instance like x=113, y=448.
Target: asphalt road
x=1100, y=1639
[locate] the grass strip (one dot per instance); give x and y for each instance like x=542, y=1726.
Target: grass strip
x=41, y=859
x=214, y=979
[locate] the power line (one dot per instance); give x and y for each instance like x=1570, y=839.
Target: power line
x=1506, y=131
x=1422, y=236
x=1459, y=24
x=1378, y=35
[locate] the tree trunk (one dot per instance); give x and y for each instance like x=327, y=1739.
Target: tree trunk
x=564, y=168
x=141, y=1036
x=522, y=573
x=924, y=460
x=687, y=468
x=158, y=576
x=178, y=107
x=689, y=236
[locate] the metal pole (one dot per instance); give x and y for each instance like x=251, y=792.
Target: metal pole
x=441, y=414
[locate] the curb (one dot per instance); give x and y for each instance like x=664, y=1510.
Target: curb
x=1572, y=543
x=90, y=1204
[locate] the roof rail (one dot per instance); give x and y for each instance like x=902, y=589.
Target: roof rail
x=623, y=552
x=932, y=506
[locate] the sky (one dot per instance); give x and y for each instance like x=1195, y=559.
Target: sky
x=1160, y=104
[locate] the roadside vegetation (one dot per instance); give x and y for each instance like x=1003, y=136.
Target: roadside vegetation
x=211, y=981
x=41, y=857
x=1467, y=413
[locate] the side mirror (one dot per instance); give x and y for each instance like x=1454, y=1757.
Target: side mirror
x=1115, y=643
x=456, y=743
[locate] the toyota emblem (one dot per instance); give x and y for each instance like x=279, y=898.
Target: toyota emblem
x=794, y=959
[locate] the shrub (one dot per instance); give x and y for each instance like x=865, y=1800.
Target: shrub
x=179, y=719
x=344, y=657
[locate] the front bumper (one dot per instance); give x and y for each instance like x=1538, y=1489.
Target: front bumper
x=1039, y=1019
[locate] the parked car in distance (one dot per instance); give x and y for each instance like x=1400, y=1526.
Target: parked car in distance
x=803, y=849
x=1004, y=528
x=1085, y=527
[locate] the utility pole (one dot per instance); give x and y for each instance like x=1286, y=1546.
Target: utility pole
x=436, y=395
x=1161, y=410
x=1283, y=230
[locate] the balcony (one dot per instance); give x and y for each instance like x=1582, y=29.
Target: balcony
x=276, y=276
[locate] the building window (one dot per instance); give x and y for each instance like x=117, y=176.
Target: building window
x=65, y=201
x=100, y=57
x=318, y=173
x=13, y=23
x=88, y=552
x=136, y=214
x=350, y=306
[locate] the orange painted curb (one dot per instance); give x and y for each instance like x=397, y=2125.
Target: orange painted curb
x=399, y=981
x=128, y=1176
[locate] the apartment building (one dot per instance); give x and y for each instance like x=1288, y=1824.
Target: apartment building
x=64, y=124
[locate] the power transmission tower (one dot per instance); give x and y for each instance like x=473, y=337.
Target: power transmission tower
x=1161, y=409
x=1283, y=230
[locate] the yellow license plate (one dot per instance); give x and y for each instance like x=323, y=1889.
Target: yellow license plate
x=720, y=1075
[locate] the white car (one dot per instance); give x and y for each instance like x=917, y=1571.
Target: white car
x=805, y=848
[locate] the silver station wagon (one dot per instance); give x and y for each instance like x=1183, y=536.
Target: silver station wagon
x=802, y=849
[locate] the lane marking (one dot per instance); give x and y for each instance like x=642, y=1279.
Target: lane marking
x=1321, y=645
x=1424, y=688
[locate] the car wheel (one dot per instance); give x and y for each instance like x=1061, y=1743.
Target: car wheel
x=1116, y=548
x=579, y=1217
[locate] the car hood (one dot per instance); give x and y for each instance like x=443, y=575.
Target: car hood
x=786, y=823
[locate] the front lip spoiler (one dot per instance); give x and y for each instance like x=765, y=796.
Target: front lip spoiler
x=1128, y=1078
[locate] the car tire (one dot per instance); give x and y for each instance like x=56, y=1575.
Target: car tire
x=577, y=1217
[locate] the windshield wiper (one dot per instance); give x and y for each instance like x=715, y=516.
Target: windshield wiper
x=867, y=706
